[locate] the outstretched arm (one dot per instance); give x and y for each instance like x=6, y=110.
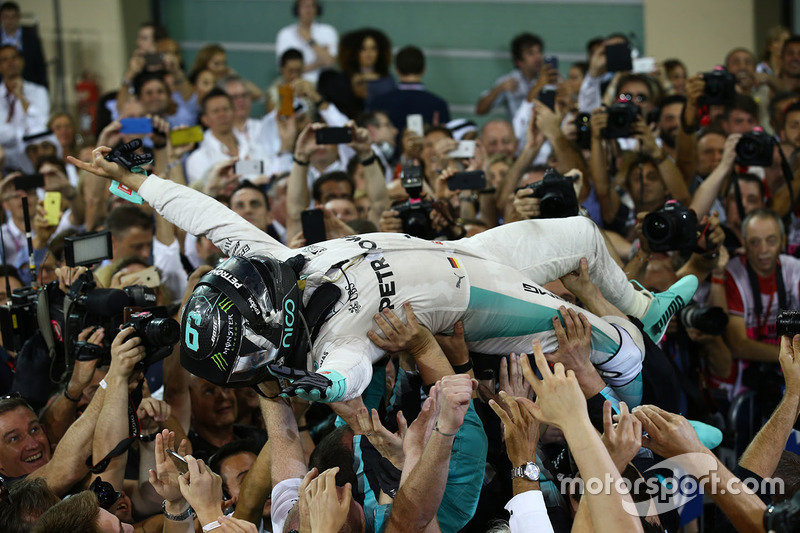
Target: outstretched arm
x=188, y=209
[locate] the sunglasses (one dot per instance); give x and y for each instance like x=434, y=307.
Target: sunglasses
x=638, y=97
x=106, y=495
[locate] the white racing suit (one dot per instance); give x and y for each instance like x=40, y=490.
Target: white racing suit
x=491, y=281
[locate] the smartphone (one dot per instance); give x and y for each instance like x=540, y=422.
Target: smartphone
x=286, y=95
x=414, y=123
x=148, y=277
x=334, y=136
x=547, y=96
x=186, y=136
x=313, y=221
x=249, y=167
x=28, y=182
x=465, y=150
x=644, y=65
x=618, y=58
x=52, y=204
x=136, y=126
x=179, y=462
x=153, y=60
x=472, y=180
x=552, y=61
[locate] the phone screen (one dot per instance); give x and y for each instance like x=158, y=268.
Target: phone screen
x=334, y=136
x=136, y=126
x=52, y=205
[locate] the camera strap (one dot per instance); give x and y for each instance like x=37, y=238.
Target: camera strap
x=124, y=444
x=756, y=290
x=787, y=176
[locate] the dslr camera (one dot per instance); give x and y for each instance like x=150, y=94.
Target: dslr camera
x=672, y=227
x=415, y=212
x=720, y=87
x=621, y=118
x=556, y=193
x=788, y=323
x=755, y=149
x=158, y=333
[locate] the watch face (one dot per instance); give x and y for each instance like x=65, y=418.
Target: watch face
x=531, y=471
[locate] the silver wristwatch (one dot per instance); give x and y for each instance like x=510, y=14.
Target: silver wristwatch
x=527, y=471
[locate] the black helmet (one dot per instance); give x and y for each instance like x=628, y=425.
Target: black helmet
x=242, y=315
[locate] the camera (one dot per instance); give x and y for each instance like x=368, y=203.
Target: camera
x=621, y=118
x=672, y=227
x=720, y=87
x=583, y=135
x=755, y=149
x=783, y=517
x=788, y=323
x=415, y=213
x=19, y=320
x=556, y=193
x=709, y=320
x=158, y=334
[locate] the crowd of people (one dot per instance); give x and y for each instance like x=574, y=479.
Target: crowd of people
x=602, y=200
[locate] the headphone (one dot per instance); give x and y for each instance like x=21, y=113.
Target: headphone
x=316, y=2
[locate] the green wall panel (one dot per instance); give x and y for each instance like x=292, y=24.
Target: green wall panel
x=447, y=28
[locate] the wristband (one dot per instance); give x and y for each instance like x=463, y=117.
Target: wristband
x=103, y=384
x=717, y=281
x=463, y=369
x=176, y=517
x=70, y=398
x=440, y=432
x=301, y=163
x=368, y=161
x=211, y=526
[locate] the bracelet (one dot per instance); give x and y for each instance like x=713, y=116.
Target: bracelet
x=368, y=161
x=463, y=369
x=640, y=258
x=301, y=163
x=176, y=517
x=210, y=526
x=103, y=384
x=717, y=281
x=437, y=430
x=70, y=398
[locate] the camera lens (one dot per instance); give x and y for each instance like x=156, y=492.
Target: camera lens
x=417, y=224
x=552, y=205
x=746, y=148
x=162, y=332
x=658, y=228
x=710, y=320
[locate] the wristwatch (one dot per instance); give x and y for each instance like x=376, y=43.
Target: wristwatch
x=527, y=471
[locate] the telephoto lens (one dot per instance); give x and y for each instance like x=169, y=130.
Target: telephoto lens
x=709, y=320
x=162, y=332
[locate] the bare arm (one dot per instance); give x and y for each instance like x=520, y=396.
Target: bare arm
x=256, y=488
x=297, y=194
x=598, y=166
x=743, y=347
x=284, y=439
x=708, y=191
x=764, y=452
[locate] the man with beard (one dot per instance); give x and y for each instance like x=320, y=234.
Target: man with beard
x=669, y=122
x=790, y=133
x=742, y=64
x=790, y=63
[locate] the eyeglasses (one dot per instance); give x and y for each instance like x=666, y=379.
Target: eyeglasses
x=639, y=98
x=106, y=495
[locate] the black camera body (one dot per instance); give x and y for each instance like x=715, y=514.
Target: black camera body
x=621, y=118
x=18, y=321
x=708, y=320
x=720, y=87
x=415, y=213
x=673, y=227
x=158, y=333
x=788, y=323
x=755, y=149
x=556, y=193
x=583, y=135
